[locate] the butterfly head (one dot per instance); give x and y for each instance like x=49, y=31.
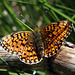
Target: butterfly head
x=36, y=30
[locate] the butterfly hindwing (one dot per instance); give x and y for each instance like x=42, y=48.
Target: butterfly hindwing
x=30, y=56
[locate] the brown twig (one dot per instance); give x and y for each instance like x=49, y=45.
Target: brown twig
x=63, y=63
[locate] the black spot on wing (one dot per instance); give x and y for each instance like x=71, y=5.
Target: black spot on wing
x=22, y=44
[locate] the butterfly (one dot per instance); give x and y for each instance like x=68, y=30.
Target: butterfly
x=32, y=46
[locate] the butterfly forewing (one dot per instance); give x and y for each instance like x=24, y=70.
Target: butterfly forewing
x=53, y=35
x=16, y=42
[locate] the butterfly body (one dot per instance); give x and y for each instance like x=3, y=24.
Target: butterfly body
x=31, y=47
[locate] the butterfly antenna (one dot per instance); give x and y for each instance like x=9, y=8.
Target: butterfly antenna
x=26, y=19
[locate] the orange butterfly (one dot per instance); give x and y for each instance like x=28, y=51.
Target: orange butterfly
x=31, y=47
